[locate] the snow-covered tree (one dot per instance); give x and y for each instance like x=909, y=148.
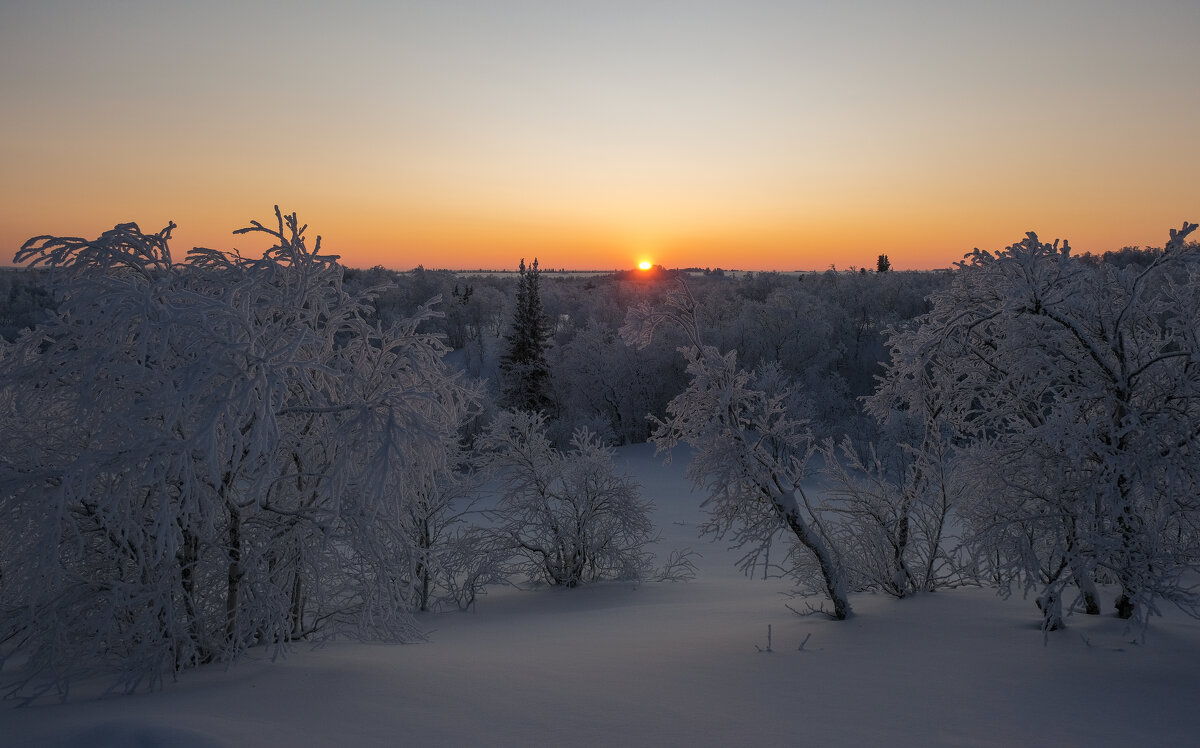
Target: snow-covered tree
x=750, y=451
x=200, y=457
x=525, y=376
x=569, y=515
x=1072, y=392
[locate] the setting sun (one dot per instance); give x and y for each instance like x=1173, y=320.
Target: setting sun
x=644, y=265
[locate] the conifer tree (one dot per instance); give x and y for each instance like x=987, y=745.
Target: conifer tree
x=525, y=375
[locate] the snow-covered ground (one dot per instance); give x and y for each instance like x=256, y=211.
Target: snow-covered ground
x=662, y=664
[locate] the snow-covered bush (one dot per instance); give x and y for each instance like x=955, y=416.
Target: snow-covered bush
x=200, y=457
x=892, y=510
x=567, y=514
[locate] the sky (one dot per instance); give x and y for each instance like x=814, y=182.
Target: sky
x=753, y=134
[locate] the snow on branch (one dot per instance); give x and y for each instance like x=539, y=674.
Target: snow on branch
x=122, y=247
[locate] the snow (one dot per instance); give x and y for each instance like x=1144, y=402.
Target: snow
x=677, y=664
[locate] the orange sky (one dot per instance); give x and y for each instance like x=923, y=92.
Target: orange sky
x=753, y=135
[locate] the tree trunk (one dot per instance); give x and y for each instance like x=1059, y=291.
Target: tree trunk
x=1091, y=596
x=234, y=577
x=1081, y=574
x=1124, y=606
x=1128, y=524
x=831, y=573
x=189, y=555
x=297, y=607
x=425, y=548
x=902, y=578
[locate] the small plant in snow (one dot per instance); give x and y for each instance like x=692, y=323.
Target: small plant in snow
x=679, y=566
x=568, y=515
x=768, y=647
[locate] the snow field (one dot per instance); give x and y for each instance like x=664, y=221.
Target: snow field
x=661, y=664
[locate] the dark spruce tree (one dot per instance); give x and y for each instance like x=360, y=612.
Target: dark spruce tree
x=524, y=373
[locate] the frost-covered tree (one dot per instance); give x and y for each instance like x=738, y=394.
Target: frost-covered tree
x=204, y=456
x=750, y=450
x=525, y=375
x=1072, y=392
x=569, y=515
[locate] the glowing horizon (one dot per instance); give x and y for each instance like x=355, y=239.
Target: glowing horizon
x=764, y=135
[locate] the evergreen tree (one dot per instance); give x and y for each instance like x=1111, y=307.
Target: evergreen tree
x=525, y=375
x=883, y=265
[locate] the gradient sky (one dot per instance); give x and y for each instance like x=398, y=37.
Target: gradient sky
x=743, y=134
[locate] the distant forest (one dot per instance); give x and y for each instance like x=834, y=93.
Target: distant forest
x=826, y=330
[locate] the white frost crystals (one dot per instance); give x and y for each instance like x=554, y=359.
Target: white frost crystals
x=203, y=456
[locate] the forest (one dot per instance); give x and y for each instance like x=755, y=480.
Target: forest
x=207, y=455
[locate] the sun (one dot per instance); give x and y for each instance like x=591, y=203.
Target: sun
x=644, y=265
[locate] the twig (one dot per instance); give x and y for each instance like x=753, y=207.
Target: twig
x=768, y=649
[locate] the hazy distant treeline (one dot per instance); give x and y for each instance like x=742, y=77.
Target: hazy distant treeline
x=826, y=330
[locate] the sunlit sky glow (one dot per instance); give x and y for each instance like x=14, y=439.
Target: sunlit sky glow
x=748, y=134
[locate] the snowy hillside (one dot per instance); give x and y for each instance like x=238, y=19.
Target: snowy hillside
x=679, y=664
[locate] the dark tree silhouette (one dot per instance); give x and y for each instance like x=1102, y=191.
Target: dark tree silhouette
x=883, y=265
x=525, y=375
